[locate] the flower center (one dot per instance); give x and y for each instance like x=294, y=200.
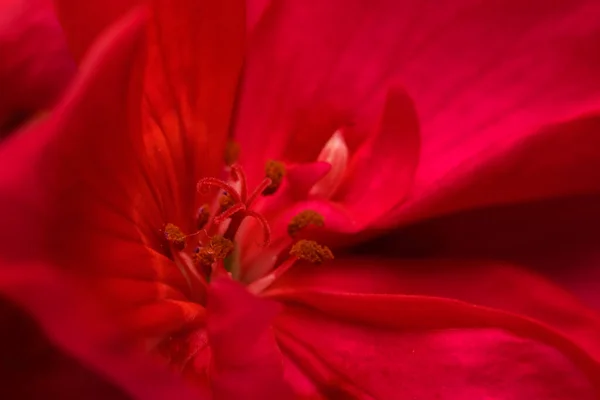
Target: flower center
x=212, y=250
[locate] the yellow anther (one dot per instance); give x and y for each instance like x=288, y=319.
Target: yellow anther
x=304, y=219
x=275, y=171
x=311, y=251
x=220, y=246
x=204, y=257
x=174, y=236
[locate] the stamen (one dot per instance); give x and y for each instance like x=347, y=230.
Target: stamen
x=226, y=202
x=258, y=191
x=228, y=212
x=238, y=174
x=204, y=257
x=220, y=184
x=275, y=171
x=304, y=219
x=202, y=216
x=265, y=225
x=221, y=246
x=174, y=236
x=311, y=251
x=232, y=152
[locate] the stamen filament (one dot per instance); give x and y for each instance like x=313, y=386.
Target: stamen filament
x=229, y=212
x=220, y=184
x=239, y=174
x=265, y=225
x=258, y=191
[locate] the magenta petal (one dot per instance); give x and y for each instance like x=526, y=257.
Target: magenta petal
x=302, y=177
x=36, y=65
x=352, y=360
x=246, y=363
x=383, y=169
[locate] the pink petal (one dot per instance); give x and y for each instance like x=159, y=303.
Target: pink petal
x=246, y=362
x=36, y=65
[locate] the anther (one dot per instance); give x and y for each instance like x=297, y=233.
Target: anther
x=202, y=216
x=304, y=219
x=226, y=201
x=174, y=236
x=204, y=257
x=275, y=171
x=232, y=152
x=220, y=246
x=311, y=251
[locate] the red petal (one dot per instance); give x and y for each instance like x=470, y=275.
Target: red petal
x=382, y=172
x=485, y=78
x=71, y=319
x=556, y=161
x=497, y=285
x=31, y=367
x=195, y=56
x=246, y=362
x=351, y=359
x=75, y=188
x=36, y=66
x=83, y=21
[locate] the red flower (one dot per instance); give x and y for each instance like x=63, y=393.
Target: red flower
x=36, y=66
x=111, y=189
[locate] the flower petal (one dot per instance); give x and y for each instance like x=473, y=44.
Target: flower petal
x=246, y=362
x=75, y=190
x=32, y=367
x=491, y=284
x=371, y=361
x=194, y=59
x=556, y=161
x=486, y=79
x=74, y=322
x=382, y=171
x=83, y=21
x=36, y=66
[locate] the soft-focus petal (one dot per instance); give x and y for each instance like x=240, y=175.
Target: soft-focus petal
x=492, y=284
x=553, y=161
x=246, y=362
x=31, y=367
x=36, y=65
x=83, y=21
x=349, y=360
x=383, y=169
x=70, y=318
x=486, y=79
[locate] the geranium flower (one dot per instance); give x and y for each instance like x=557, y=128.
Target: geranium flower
x=114, y=193
x=35, y=64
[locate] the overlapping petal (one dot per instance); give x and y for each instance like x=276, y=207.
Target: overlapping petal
x=366, y=302
x=492, y=83
x=36, y=66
